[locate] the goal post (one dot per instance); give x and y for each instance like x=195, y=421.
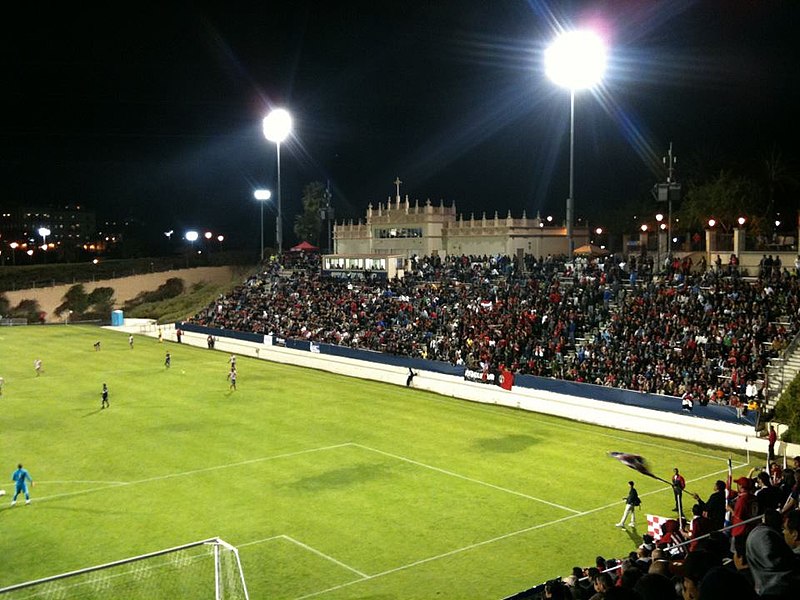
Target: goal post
x=206, y=569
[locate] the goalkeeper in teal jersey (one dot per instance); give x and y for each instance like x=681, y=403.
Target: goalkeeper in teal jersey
x=20, y=478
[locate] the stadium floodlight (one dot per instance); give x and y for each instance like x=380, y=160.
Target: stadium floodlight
x=44, y=232
x=191, y=236
x=277, y=127
x=262, y=196
x=208, y=235
x=576, y=60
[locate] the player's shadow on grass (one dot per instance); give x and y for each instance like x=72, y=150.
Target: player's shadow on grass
x=93, y=412
x=507, y=444
x=633, y=533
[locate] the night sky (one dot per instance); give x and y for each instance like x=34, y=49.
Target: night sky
x=156, y=112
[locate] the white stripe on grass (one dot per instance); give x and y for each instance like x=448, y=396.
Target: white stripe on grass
x=465, y=478
x=494, y=539
x=289, y=538
x=193, y=472
x=111, y=483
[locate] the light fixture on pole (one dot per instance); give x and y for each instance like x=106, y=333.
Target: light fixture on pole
x=262, y=196
x=191, y=237
x=277, y=127
x=576, y=60
x=44, y=232
x=14, y=246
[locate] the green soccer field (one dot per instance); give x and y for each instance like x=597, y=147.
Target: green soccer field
x=330, y=487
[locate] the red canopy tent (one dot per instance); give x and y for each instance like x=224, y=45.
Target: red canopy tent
x=303, y=247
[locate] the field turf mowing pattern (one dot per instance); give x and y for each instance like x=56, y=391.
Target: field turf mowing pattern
x=330, y=487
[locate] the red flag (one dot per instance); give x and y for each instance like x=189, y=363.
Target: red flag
x=637, y=463
x=506, y=379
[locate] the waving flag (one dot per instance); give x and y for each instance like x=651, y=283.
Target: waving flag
x=637, y=463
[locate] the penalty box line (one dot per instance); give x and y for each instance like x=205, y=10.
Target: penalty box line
x=466, y=478
x=113, y=485
x=308, y=548
x=496, y=539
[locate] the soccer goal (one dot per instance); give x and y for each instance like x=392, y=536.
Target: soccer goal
x=206, y=569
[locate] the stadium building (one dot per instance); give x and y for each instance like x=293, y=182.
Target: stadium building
x=399, y=227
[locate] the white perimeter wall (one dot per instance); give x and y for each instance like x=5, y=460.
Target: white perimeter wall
x=617, y=416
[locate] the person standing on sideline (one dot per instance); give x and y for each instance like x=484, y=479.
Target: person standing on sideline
x=167, y=360
x=178, y=334
x=232, y=377
x=37, y=366
x=678, y=485
x=631, y=502
x=104, y=397
x=160, y=336
x=21, y=477
x=130, y=341
x=773, y=437
x=410, y=377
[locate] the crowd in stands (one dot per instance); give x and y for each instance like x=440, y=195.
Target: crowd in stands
x=681, y=330
x=757, y=557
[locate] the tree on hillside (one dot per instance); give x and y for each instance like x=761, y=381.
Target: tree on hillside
x=308, y=224
x=101, y=301
x=76, y=299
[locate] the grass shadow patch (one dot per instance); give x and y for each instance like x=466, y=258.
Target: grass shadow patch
x=507, y=444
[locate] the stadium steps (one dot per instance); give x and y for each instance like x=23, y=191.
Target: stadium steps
x=780, y=372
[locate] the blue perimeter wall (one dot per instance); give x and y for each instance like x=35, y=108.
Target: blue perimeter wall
x=557, y=386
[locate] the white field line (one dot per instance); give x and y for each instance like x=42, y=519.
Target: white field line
x=305, y=547
x=496, y=539
x=465, y=478
x=193, y=472
x=111, y=483
x=330, y=558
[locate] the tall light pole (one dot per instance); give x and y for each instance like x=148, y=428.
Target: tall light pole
x=277, y=127
x=191, y=237
x=13, y=246
x=262, y=196
x=576, y=60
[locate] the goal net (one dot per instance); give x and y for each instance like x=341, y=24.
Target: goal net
x=205, y=569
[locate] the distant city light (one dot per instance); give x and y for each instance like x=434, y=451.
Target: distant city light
x=220, y=238
x=208, y=235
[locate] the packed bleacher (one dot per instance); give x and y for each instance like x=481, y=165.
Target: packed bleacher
x=707, y=335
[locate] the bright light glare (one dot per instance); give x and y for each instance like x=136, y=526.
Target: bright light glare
x=263, y=194
x=220, y=238
x=192, y=236
x=277, y=125
x=576, y=60
x=208, y=235
x=44, y=231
